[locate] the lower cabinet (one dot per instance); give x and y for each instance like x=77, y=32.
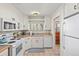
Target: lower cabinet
x=37, y=42
x=42, y=42
x=4, y=53
x=26, y=43
x=48, y=42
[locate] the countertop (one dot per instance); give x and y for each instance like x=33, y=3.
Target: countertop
x=4, y=47
x=36, y=35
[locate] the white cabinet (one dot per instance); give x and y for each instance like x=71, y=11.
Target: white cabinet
x=4, y=53
x=37, y=42
x=26, y=43
x=47, y=24
x=48, y=42
x=11, y=24
x=7, y=24
x=71, y=8
x=36, y=25
x=1, y=24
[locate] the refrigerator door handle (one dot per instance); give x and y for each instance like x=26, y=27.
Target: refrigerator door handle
x=71, y=36
x=64, y=47
x=63, y=23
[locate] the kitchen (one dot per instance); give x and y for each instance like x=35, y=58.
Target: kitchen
x=38, y=29
x=24, y=35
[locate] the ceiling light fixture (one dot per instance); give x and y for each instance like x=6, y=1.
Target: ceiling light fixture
x=35, y=13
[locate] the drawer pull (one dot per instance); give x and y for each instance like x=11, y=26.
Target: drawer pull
x=37, y=41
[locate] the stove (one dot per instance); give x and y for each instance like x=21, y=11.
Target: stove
x=16, y=45
x=16, y=48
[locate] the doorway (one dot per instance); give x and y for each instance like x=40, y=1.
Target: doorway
x=57, y=30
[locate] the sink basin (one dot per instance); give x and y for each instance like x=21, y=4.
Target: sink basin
x=11, y=42
x=2, y=42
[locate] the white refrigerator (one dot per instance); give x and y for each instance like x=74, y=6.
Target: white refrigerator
x=71, y=35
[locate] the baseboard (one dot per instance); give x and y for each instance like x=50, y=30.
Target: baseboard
x=39, y=48
x=47, y=47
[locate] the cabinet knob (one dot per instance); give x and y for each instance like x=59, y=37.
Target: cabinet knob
x=75, y=7
x=37, y=41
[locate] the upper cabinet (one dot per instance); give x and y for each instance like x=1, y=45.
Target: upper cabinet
x=1, y=24
x=40, y=24
x=8, y=25
x=47, y=24
x=71, y=8
x=36, y=25
x=12, y=24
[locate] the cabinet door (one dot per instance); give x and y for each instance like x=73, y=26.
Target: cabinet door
x=71, y=46
x=1, y=20
x=27, y=43
x=47, y=24
x=48, y=41
x=37, y=42
x=70, y=8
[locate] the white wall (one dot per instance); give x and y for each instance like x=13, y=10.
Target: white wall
x=8, y=11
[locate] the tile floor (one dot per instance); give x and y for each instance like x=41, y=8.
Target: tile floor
x=45, y=52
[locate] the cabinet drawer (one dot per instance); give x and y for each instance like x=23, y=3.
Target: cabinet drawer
x=37, y=42
x=48, y=42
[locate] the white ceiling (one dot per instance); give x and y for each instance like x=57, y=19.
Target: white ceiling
x=45, y=9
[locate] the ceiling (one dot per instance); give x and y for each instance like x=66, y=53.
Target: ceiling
x=45, y=9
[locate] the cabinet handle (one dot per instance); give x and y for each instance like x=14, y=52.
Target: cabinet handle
x=63, y=47
x=75, y=7
x=37, y=41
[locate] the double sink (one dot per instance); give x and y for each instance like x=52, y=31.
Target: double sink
x=4, y=41
x=10, y=42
